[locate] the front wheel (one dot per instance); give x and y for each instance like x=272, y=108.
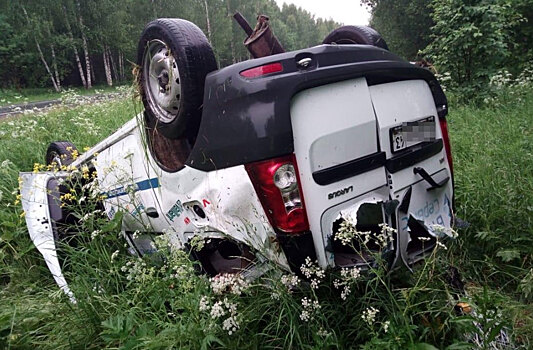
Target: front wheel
x=60, y=153
x=174, y=57
x=361, y=35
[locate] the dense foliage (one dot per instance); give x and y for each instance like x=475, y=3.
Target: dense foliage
x=468, y=42
x=405, y=24
x=48, y=42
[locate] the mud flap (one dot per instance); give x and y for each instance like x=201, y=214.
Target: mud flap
x=35, y=202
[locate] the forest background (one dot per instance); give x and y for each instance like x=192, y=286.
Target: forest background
x=49, y=43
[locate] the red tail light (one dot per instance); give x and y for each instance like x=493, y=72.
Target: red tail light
x=446, y=139
x=276, y=182
x=260, y=71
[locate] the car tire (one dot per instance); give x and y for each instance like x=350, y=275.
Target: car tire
x=362, y=35
x=60, y=153
x=174, y=57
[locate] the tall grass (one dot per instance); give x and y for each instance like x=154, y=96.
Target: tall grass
x=161, y=302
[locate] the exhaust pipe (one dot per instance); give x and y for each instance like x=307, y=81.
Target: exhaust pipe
x=261, y=41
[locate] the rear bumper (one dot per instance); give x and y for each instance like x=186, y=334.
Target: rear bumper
x=247, y=120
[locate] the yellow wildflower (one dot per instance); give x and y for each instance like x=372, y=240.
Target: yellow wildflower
x=85, y=171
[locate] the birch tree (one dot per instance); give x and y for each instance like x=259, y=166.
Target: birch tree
x=73, y=44
x=41, y=55
x=85, y=48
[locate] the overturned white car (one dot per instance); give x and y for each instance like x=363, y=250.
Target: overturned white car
x=265, y=159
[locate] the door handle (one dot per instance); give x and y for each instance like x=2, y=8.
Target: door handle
x=424, y=174
x=151, y=212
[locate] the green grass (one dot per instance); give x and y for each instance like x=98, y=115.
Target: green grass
x=18, y=96
x=158, y=305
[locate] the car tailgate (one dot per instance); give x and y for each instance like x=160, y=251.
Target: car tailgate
x=338, y=154
x=419, y=176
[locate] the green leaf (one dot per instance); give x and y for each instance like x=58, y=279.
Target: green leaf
x=508, y=254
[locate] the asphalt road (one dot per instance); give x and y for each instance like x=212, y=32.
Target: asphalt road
x=16, y=109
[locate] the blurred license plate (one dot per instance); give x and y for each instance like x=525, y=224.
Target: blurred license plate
x=412, y=133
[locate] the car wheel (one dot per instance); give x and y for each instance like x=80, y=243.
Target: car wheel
x=60, y=153
x=356, y=35
x=174, y=56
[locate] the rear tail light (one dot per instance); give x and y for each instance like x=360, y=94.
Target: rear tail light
x=260, y=71
x=446, y=139
x=276, y=182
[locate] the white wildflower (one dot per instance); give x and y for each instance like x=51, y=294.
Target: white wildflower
x=114, y=255
x=230, y=325
x=385, y=237
x=305, y=316
x=309, y=308
x=345, y=292
x=312, y=272
x=323, y=333
x=231, y=283
x=351, y=273
x=95, y=233
x=346, y=232
x=440, y=244
x=217, y=310
x=231, y=307
x=386, y=326
x=442, y=231
x=369, y=315
x=204, y=303
x=348, y=277
x=290, y=281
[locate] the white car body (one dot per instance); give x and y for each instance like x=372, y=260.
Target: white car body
x=332, y=124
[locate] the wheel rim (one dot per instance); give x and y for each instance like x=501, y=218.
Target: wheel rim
x=161, y=81
x=55, y=158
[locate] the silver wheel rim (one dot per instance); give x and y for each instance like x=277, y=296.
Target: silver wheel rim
x=161, y=82
x=55, y=158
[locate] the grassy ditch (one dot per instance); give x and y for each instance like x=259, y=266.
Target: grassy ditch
x=161, y=302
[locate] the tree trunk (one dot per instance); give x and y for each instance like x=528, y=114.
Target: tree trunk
x=107, y=68
x=54, y=60
x=54, y=65
x=208, y=22
x=232, y=44
x=87, y=61
x=120, y=68
x=56, y=87
x=71, y=37
x=113, y=65
x=85, y=49
x=92, y=73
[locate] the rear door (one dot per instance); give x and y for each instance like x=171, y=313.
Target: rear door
x=355, y=153
x=410, y=135
x=340, y=161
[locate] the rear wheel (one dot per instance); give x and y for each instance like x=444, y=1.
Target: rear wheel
x=60, y=153
x=362, y=35
x=174, y=57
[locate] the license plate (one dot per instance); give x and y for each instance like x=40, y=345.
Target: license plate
x=412, y=133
